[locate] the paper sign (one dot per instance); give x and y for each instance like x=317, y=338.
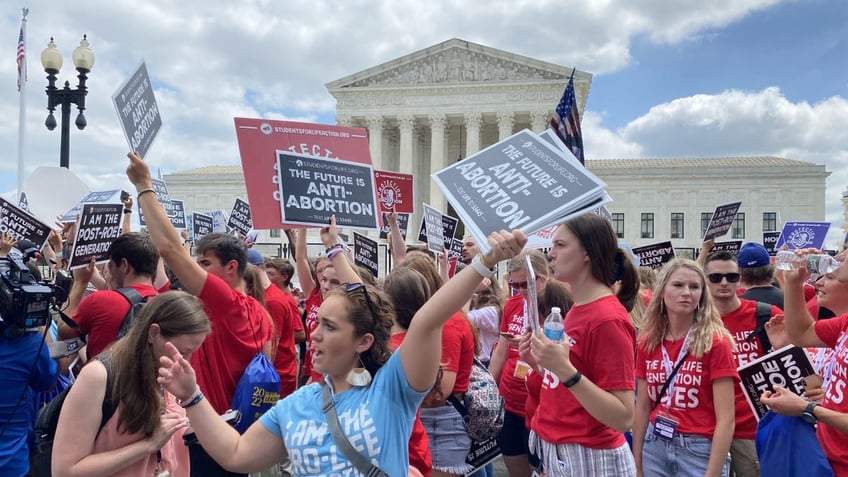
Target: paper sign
x=395, y=190
x=136, y=106
x=260, y=139
x=179, y=218
x=201, y=225
x=98, y=227
x=770, y=240
x=403, y=225
x=20, y=224
x=365, y=253
x=542, y=239
x=803, y=235
x=655, y=255
x=99, y=197
x=722, y=220
x=786, y=367
x=733, y=247
x=432, y=230
x=51, y=191
x=240, y=217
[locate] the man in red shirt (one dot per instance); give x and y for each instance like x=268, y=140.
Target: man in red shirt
x=239, y=323
x=132, y=263
x=280, y=272
x=740, y=318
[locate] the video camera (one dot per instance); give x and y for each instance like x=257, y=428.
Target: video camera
x=24, y=303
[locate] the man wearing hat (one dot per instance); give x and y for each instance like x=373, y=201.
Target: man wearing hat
x=757, y=273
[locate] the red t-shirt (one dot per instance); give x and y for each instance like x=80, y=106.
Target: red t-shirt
x=602, y=349
x=512, y=388
x=101, y=314
x=286, y=318
x=239, y=330
x=741, y=322
x=419, y=443
x=458, y=350
x=834, y=333
x=534, y=387
x=313, y=303
x=692, y=393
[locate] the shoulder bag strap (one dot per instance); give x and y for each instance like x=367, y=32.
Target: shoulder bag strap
x=358, y=460
x=668, y=382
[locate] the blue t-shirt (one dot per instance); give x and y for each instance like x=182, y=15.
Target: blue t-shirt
x=377, y=420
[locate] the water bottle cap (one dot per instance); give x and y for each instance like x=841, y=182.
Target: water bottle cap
x=556, y=309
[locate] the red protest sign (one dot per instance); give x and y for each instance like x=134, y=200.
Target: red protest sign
x=259, y=139
x=394, y=189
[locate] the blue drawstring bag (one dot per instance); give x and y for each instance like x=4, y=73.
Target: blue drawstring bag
x=257, y=391
x=787, y=447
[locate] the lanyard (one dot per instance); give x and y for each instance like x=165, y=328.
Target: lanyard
x=668, y=367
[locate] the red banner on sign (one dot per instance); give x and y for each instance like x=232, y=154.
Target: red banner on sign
x=259, y=139
x=394, y=189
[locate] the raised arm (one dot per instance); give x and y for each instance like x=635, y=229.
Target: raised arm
x=126, y=223
x=338, y=257
x=301, y=263
x=800, y=325
x=398, y=244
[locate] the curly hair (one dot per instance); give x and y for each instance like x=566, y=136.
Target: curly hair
x=370, y=311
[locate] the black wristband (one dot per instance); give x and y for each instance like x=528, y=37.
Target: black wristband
x=573, y=380
x=127, y=211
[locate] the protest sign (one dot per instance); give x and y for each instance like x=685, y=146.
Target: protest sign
x=98, y=227
x=219, y=221
x=403, y=225
x=179, y=218
x=520, y=183
x=260, y=139
x=722, y=220
x=542, y=238
x=23, y=203
x=395, y=190
x=732, y=246
x=455, y=250
x=447, y=231
x=481, y=453
x=786, y=367
x=240, y=217
x=162, y=196
x=98, y=197
x=21, y=224
x=655, y=255
x=136, y=106
x=201, y=224
x=803, y=235
x=770, y=240
x=51, y=191
x=365, y=253
x=312, y=189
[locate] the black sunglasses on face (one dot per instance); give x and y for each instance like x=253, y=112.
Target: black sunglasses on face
x=717, y=277
x=352, y=287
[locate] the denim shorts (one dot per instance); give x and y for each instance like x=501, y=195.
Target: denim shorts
x=449, y=442
x=686, y=455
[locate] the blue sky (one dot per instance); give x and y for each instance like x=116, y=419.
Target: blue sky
x=684, y=78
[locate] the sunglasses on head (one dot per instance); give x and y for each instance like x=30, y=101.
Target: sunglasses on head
x=517, y=285
x=717, y=277
x=352, y=287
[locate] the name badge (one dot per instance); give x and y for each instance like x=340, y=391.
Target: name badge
x=664, y=427
x=521, y=370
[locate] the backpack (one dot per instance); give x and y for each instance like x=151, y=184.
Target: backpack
x=258, y=389
x=787, y=447
x=48, y=419
x=136, y=302
x=482, y=408
x=763, y=316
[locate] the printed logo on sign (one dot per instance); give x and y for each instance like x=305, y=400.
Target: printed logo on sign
x=389, y=194
x=266, y=129
x=801, y=237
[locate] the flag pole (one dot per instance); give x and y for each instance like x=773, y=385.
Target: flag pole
x=22, y=77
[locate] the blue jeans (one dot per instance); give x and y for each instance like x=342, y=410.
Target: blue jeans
x=686, y=455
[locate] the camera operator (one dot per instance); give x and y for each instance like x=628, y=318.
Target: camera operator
x=25, y=367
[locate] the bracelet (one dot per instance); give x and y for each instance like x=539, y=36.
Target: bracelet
x=144, y=191
x=480, y=267
x=337, y=246
x=196, y=397
x=127, y=211
x=573, y=380
x=332, y=253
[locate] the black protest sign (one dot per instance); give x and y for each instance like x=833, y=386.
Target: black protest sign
x=365, y=253
x=655, y=255
x=312, y=189
x=770, y=241
x=455, y=250
x=437, y=239
x=137, y=110
x=179, y=218
x=163, y=197
x=201, y=224
x=98, y=197
x=733, y=247
x=722, y=220
x=240, y=217
x=403, y=225
x=98, y=227
x=482, y=453
x=20, y=224
x=786, y=367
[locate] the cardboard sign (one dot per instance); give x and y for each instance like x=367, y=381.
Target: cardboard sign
x=722, y=220
x=655, y=255
x=431, y=236
x=770, y=242
x=136, y=106
x=403, y=225
x=201, y=224
x=395, y=190
x=733, y=247
x=786, y=367
x=21, y=224
x=520, y=183
x=240, y=217
x=260, y=139
x=365, y=253
x=98, y=197
x=98, y=227
x=803, y=235
x=312, y=189
x=455, y=250
x=179, y=218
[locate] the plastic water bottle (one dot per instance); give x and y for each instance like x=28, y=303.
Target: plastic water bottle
x=821, y=264
x=554, y=328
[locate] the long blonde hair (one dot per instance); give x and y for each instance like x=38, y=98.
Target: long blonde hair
x=706, y=322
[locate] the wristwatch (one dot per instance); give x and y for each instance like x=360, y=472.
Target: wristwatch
x=808, y=415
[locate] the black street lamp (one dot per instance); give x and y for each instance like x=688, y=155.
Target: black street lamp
x=51, y=60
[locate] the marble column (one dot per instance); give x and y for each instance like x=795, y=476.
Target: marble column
x=472, y=128
x=539, y=121
x=406, y=123
x=344, y=120
x=506, y=120
x=375, y=140
x=437, y=159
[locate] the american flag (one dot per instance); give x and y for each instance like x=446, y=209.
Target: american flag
x=21, y=59
x=566, y=121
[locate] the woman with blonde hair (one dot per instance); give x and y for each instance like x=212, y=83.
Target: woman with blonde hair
x=685, y=379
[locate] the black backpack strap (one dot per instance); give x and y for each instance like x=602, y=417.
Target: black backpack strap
x=108, y=407
x=134, y=298
x=73, y=324
x=668, y=381
x=763, y=316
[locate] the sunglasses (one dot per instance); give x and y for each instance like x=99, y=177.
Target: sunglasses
x=718, y=277
x=352, y=287
x=517, y=285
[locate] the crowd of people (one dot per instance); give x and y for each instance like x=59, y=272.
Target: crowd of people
x=644, y=383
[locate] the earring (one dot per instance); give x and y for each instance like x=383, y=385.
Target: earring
x=359, y=376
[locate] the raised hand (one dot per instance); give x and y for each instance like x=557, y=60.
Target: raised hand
x=176, y=374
